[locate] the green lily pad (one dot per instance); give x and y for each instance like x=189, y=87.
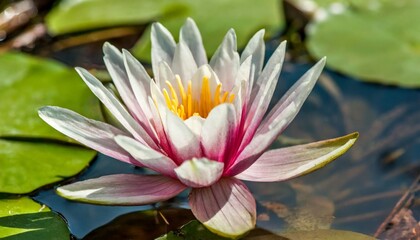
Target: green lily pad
x=245, y=16
x=381, y=45
x=73, y=16
x=370, y=4
x=22, y=219
x=28, y=83
x=26, y=166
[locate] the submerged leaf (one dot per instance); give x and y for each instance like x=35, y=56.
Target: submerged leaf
x=326, y=235
x=26, y=166
x=22, y=219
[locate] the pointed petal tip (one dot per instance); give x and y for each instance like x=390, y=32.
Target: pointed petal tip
x=107, y=47
x=322, y=61
x=261, y=32
x=290, y=162
x=45, y=111
x=156, y=25
x=189, y=20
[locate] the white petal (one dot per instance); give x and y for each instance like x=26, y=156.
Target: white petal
x=256, y=49
x=279, y=118
x=139, y=81
x=158, y=125
x=123, y=189
x=159, y=100
x=259, y=106
x=226, y=207
x=225, y=62
x=163, y=46
x=218, y=130
x=285, y=163
x=190, y=35
x=195, y=124
x=184, y=143
x=276, y=58
x=183, y=63
x=116, y=108
x=297, y=95
x=147, y=157
x=165, y=74
x=199, y=172
x=115, y=64
x=94, y=134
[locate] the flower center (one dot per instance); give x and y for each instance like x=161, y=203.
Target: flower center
x=188, y=104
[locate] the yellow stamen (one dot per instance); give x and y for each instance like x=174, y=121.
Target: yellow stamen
x=184, y=104
x=173, y=93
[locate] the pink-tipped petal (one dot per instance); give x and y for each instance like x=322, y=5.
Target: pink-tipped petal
x=259, y=106
x=184, y=143
x=278, y=119
x=218, y=131
x=285, y=163
x=146, y=156
x=296, y=95
x=190, y=35
x=199, y=172
x=226, y=207
x=123, y=189
x=183, y=63
x=116, y=108
x=158, y=125
x=225, y=61
x=163, y=46
x=276, y=58
x=139, y=81
x=158, y=101
x=256, y=50
x=94, y=134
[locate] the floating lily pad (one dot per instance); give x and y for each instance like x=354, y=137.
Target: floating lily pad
x=22, y=219
x=381, y=45
x=343, y=3
x=195, y=230
x=28, y=83
x=245, y=16
x=26, y=166
x=326, y=234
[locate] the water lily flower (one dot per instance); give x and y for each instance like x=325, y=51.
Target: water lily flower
x=200, y=125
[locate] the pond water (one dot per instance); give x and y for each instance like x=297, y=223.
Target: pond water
x=356, y=192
